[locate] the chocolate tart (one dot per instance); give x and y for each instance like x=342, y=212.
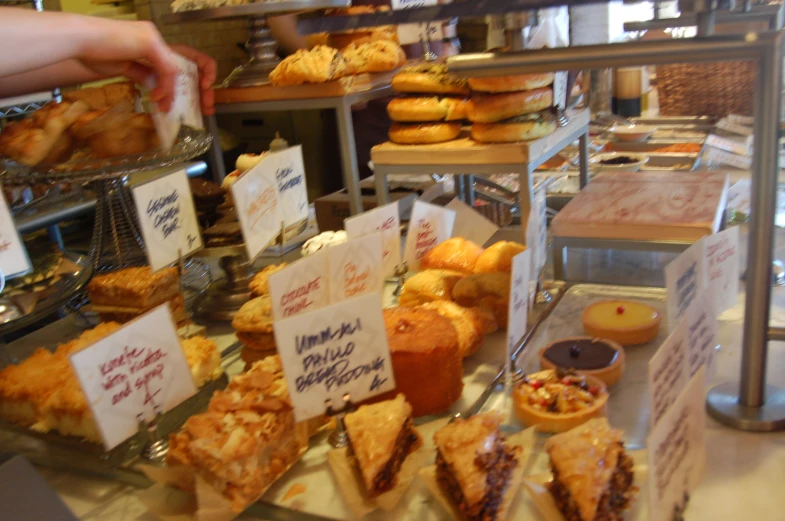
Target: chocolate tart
x=545, y=420
x=597, y=357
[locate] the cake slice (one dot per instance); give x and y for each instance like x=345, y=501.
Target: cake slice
x=381, y=436
x=138, y=288
x=474, y=465
x=592, y=474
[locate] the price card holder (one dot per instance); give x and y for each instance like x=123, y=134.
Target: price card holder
x=517, y=312
x=384, y=219
x=14, y=260
x=684, y=280
x=469, y=224
x=134, y=373
x=290, y=181
x=168, y=219
x=429, y=225
x=259, y=211
x=302, y=287
x=356, y=267
x=338, y=350
x=186, y=107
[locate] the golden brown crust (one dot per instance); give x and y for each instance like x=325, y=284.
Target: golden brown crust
x=260, y=283
x=115, y=133
x=498, y=257
x=471, y=324
x=255, y=316
x=426, y=358
x=424, y=109
x=428, y=79
x=455, y=254
x=423, y=133
x=318, y=65
x=512, y=132
x=515, y=83
x=106, y=96
x=487, y=290
x=490, y=108
x=428, y=286
x=373, y=56
x=123, y=315
x=134, y=287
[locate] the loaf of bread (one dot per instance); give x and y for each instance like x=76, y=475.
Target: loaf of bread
x=318, y=65
x=373, y=56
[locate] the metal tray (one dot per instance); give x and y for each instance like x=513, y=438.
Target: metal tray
x=628, y=406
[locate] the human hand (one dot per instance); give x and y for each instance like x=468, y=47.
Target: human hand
x=207, y=73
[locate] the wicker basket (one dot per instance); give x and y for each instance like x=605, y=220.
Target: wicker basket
x=706, y=89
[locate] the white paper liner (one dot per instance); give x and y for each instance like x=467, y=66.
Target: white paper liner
x=525, y=440
x=353, y=490
x=542, y=498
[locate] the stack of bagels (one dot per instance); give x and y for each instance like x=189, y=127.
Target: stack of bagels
x=507, y=109
x=431, y=108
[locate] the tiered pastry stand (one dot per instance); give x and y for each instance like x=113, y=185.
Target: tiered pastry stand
x=261, y=45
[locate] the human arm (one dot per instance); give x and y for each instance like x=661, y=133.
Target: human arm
x=284, y=30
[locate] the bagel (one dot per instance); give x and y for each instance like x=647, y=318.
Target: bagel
x=428, y=79
x=423, y=133
x=514, y=130
x=490, y=108
x=423, y=109
x=511, y=83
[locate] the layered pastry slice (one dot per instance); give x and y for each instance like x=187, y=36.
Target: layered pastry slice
x=592, y=474
x=474, y=466
x=381, y=437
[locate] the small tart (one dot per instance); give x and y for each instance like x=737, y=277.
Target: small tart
x=626, y=322
x=597, y=357
x=554, y=403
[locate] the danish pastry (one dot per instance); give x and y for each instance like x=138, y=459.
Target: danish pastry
x=498, y=257
x=456, y=254
x=319, y=65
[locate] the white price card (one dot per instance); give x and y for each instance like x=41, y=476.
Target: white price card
x=560, y=94
x=537, y=240
x=168, y=219
x=356, y=267
x=722, y=267
x=414, y=33
x=668, y=372
x=333, y=351
x=290, y=178
x=470, y=224
x=134, y=373
x=301, y=287
x=701, y=322
x=384, y=219
x=677, y=452
x=13, y=255
x=255, y=196
x=517, y=312
x=684, y=280
x=429, y=225
x=186, y=107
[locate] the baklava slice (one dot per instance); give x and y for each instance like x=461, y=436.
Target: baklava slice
x=592, y=474
x=474, y=465
x=135, y=288
x=381, y=437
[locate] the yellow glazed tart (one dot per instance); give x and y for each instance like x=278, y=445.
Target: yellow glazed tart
x=626, y=322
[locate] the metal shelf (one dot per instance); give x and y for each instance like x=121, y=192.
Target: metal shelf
x=253, y=10
x=21, y=110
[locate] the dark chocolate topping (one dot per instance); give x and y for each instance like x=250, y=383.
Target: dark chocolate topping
x=582, y=354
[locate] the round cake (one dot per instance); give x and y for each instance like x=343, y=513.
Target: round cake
x=597, y=357
x=552, y=402
x=426, y=358
x=626, y=322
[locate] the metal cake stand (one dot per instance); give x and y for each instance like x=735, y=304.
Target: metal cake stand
x=261, y=46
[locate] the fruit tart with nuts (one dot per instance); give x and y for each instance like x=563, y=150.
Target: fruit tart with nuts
x=556, y=401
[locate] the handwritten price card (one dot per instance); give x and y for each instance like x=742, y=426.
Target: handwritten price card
x=186, y=107
x=701, y=322
x=386, y=220
x=290, y=178
x=517, y=312
x=13, y=255
x=412, y=33
x=356, y=267
x=721, y=251
x=668, y=372
x=684, y=279
x=302, y=287
x=677, y=452
x=255, y=196
x=428, y=226
x=133, y=372
x=469, y=224
x=333, y=351
x=168, y=219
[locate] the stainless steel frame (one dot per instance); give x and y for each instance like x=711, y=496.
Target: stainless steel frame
x=342, y=105
x=751, y=404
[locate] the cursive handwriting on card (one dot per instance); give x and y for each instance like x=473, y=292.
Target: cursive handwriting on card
x=300, y=299
x=384, y=220
x=164, y=211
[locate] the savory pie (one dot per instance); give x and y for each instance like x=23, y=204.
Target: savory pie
x=381, y=436
x=593, y=477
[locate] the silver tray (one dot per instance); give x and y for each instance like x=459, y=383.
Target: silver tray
x=190, y=143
